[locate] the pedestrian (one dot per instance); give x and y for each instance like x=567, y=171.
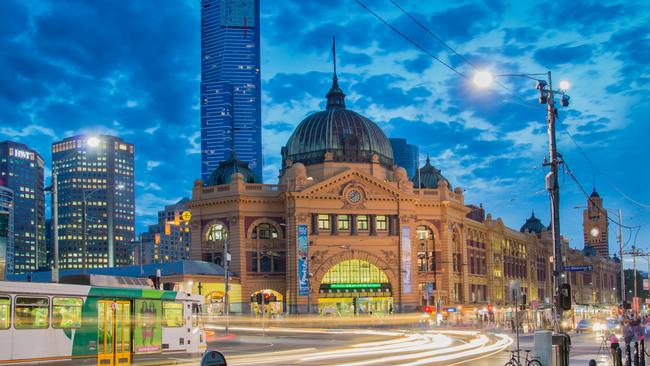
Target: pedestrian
x=613, y=345
x=512, y=324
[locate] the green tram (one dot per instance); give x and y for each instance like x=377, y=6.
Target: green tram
x=79, y=324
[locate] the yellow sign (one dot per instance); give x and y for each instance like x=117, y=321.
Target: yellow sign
x=186, y=215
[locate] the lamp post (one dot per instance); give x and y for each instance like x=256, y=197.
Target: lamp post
x=84, y=220
x=546, y=96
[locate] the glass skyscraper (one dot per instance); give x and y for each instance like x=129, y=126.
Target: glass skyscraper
x=230, y=84
x=6, y=230
x=100, y=169
x=21, y=170
x=406, y=155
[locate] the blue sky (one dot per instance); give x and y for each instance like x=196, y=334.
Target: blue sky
x=131, y=68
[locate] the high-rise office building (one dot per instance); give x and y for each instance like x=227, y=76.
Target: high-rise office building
x=169, y=239
x=100, y=171
x=406, y=155
x=230, y=84
x=6, y=230
x=21, y=170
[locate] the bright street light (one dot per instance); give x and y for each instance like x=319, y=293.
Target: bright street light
x=565, y=85
x=93, y=141
x=483, y=79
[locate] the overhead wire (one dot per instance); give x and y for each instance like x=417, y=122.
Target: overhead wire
x=463, y=58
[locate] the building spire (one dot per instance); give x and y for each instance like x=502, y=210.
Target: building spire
x=335, y=97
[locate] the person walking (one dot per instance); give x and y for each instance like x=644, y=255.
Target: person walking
x=613, y=345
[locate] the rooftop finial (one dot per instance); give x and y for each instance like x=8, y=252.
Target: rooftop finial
x=335, y=97
x=428, y=161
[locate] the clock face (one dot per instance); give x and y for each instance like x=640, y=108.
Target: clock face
x=594, y=232
x=354, y=196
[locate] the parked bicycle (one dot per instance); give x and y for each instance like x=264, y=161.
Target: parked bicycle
x=528, y=361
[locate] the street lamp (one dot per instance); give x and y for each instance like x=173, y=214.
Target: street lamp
x=546, y=96
x=92, y=142
x=84, y=220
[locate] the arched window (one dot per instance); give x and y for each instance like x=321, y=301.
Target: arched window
x=213, y=245
x=426, y=249
x=266, y=251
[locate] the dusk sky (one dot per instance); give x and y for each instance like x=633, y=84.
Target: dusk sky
x=132, y=69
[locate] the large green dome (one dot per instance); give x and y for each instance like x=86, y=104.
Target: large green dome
x=344, y=135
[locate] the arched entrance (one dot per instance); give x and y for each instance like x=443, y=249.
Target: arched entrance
x=274, y=306
x=355, y=287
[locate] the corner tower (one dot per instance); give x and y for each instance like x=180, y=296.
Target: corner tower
x=595, y=225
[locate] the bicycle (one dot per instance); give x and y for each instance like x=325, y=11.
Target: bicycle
x=528, y=361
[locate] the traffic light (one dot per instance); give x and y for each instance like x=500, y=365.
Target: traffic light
x=258, y=298
x=565, y=297
x=490, y=308
x=267, y=298
x=428, y=310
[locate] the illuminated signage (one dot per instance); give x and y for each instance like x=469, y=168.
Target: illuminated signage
x=22, y=154
x=355, y=285
x=186, y=215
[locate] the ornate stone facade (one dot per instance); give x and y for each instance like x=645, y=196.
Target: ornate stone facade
x=375, y=241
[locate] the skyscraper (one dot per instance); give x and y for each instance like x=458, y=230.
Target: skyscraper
x=98, y=170
x=169, y=239
x=21, y=170
x=406, y=155
x=230, y=84
x=6, y=230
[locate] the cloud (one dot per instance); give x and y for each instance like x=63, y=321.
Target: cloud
x=565, y=54
x=153, y=163
x=27, y=131
x=418, y=64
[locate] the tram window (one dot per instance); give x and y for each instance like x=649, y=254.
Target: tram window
x=173, y=314
x=66, y=312
x=31, y=312
x=5, y=312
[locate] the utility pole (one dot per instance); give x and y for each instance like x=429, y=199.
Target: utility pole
x=55, y=225
x=554, y=189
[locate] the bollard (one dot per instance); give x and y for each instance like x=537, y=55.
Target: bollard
x=636, y=353
x=592, y=362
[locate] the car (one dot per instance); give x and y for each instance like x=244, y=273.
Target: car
x=612, y=325
x=585, y=325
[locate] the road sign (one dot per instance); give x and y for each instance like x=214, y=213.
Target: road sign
x=213, y=358
x=578, y=268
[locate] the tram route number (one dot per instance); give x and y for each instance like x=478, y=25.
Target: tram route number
x=213, y=358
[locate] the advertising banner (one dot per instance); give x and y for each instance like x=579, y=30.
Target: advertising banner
x=406, y=260
x=303, y=252
x=147, y=337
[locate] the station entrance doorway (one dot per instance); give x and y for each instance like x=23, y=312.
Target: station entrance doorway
x=355, y=287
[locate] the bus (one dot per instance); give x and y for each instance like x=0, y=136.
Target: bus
x=72, y=324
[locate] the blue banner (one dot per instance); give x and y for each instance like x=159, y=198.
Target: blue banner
x=578, y=268
x=303, y=253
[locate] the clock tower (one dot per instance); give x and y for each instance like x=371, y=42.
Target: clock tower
x=594, y=225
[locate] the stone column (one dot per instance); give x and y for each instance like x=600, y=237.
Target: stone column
x=334, y=219
x=373, y=224
x=353, y=224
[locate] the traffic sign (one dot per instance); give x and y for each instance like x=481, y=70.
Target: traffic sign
x=213, y=358
x=578, y=268
x=186, y=215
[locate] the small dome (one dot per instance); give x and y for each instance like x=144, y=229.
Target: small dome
x=594, y=194
x=589, y=251
x=533, y=224
x=429, y=175
x=224, y=172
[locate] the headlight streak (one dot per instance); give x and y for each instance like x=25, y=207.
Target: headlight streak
x=427, y=343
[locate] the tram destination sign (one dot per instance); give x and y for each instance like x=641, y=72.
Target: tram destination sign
x=578, y=268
